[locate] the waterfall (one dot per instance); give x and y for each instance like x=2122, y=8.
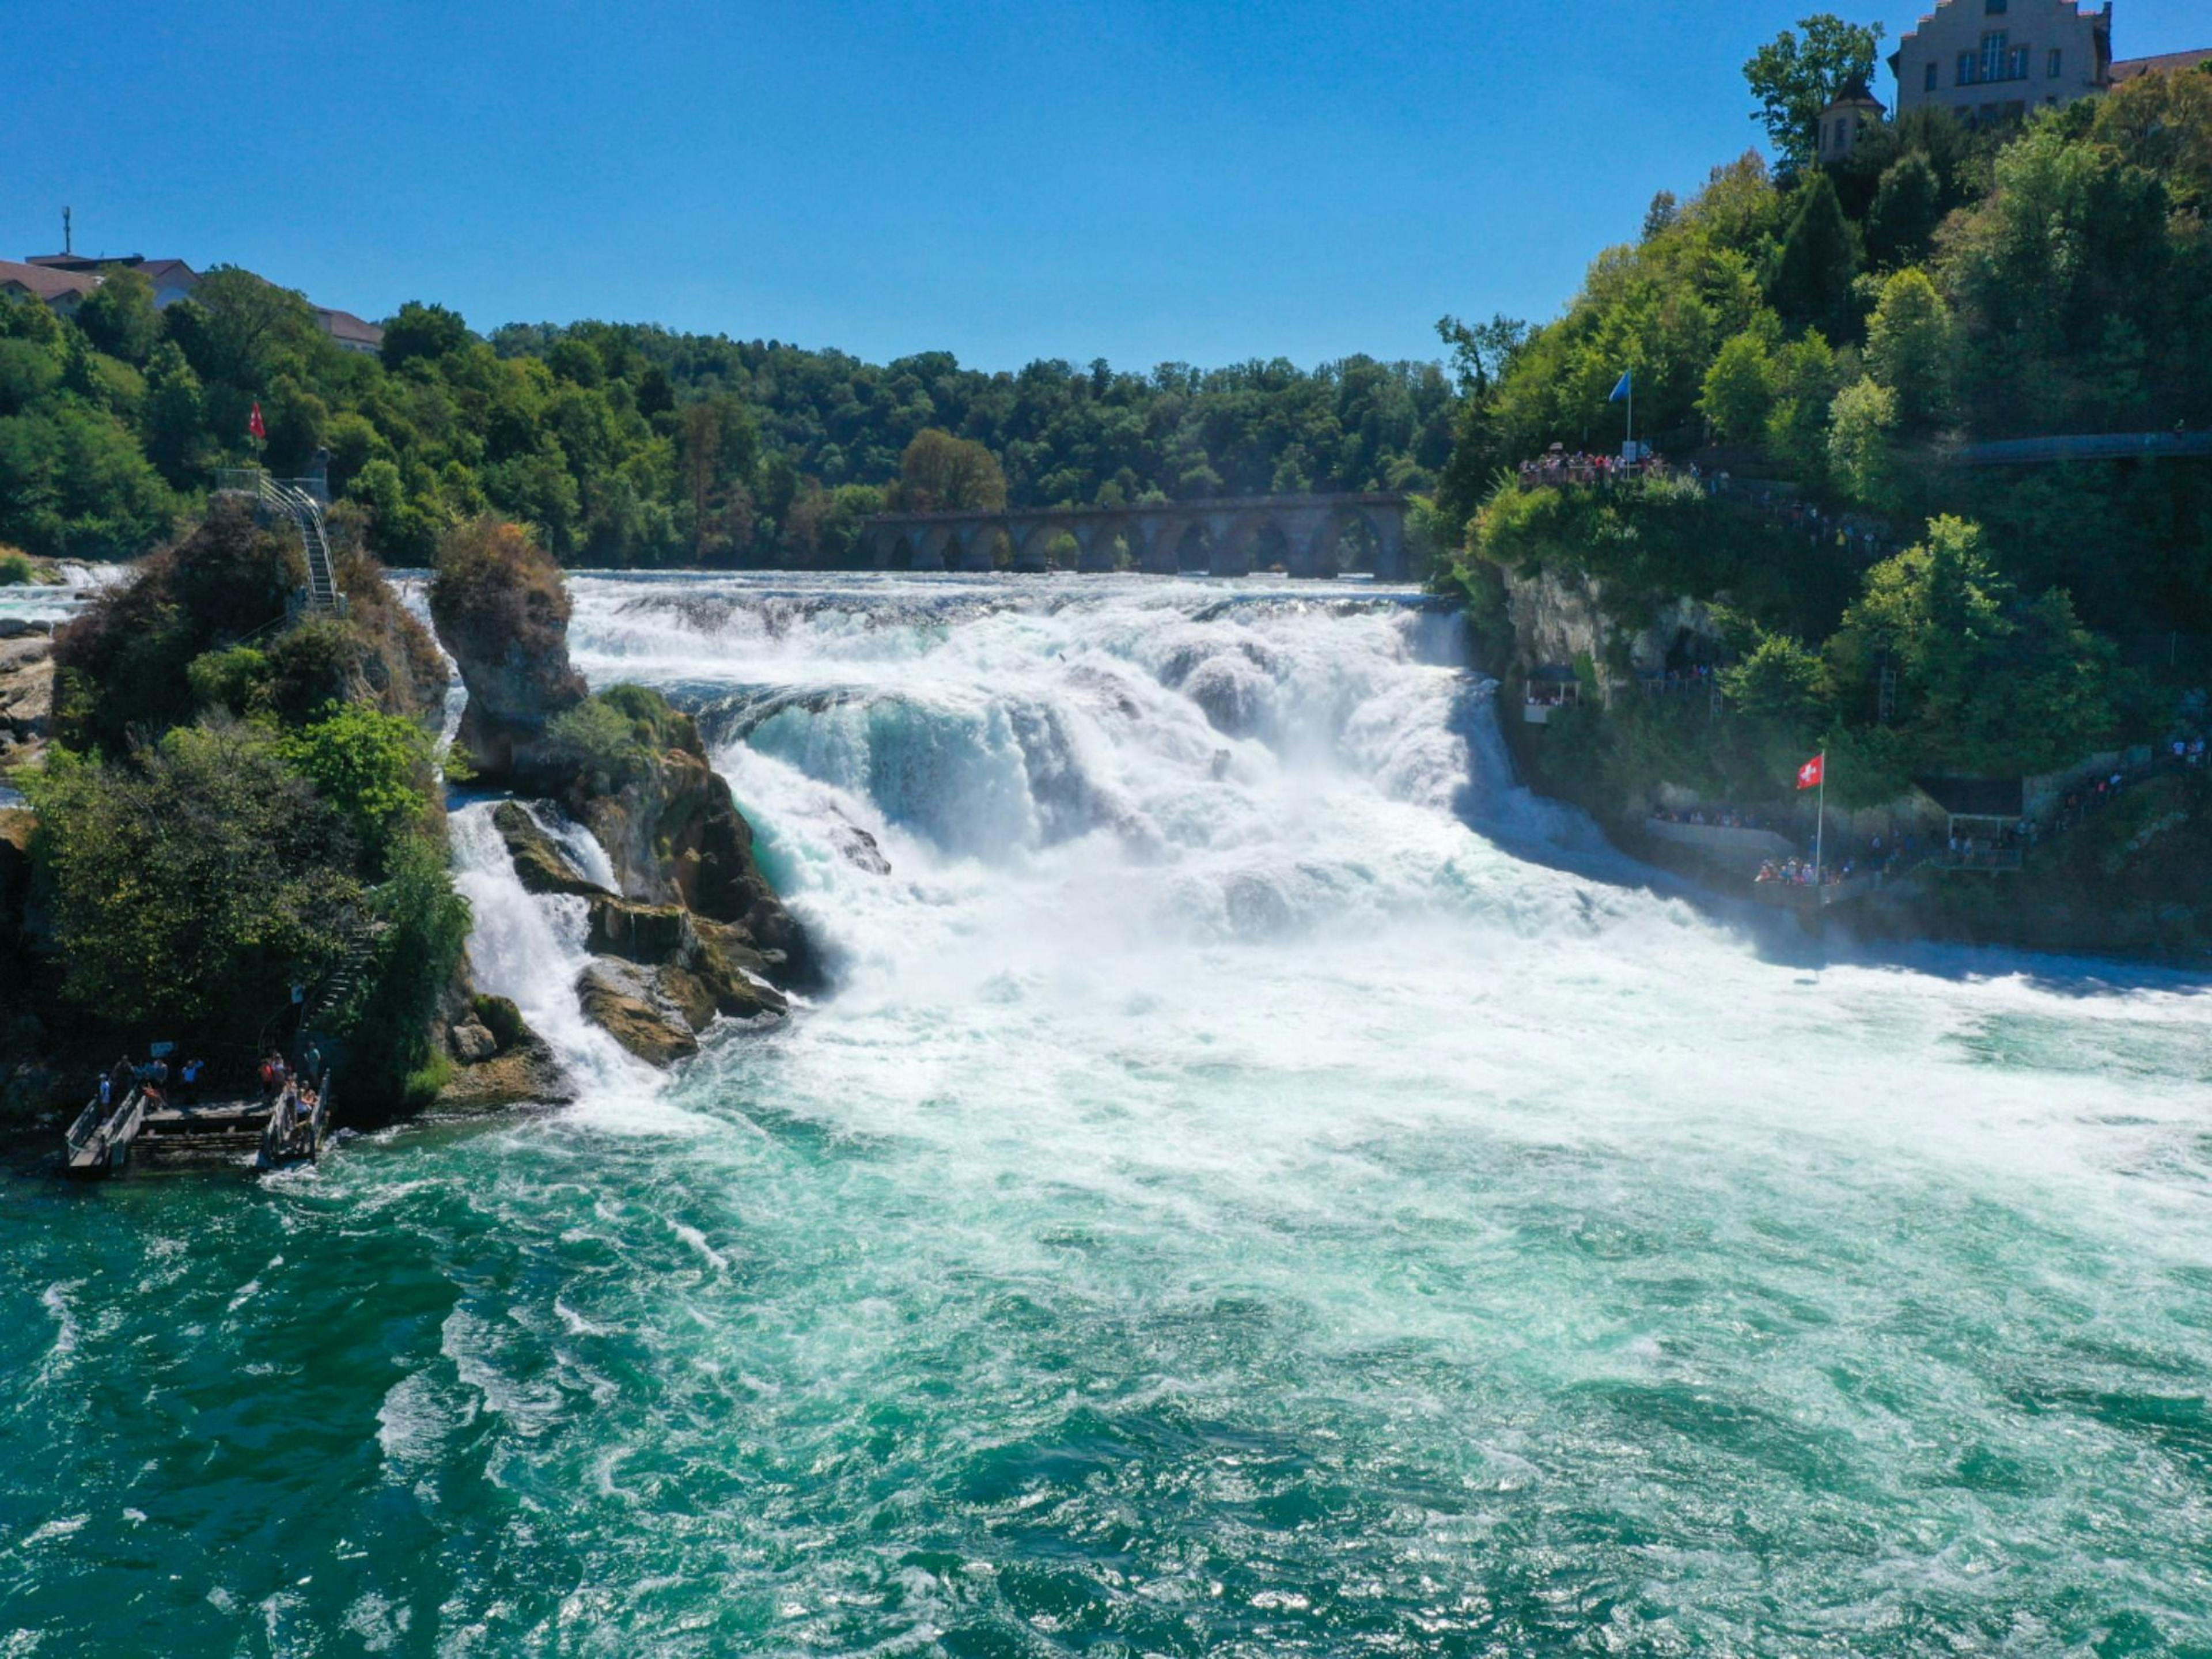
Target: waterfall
x=530, y=947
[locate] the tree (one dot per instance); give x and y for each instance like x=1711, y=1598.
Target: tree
x=1804, y=389
x=235, y=324
x=1861, y=422
x=193, y=882
x=1907, y=207
x=74, y=483
x=1795, y=80
x=940, y=473
x=423, y=331
x=1812, y=282
x=1482, y=354
x=175, y=419
x=1989, y=683
x=1739, y=390
x=119, y=316
x=1909, y=347
x=719, y=451
x=1779, y=680
x=376, y=771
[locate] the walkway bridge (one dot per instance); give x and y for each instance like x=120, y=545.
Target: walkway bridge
x=1305, y=534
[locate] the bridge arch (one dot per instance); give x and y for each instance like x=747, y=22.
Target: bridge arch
x=1111, y=544
x=1347, y=539
x=939, y=549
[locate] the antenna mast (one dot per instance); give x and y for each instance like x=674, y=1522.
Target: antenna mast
x=66, y=247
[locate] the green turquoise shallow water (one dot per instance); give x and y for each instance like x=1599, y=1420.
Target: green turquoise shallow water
x=1347, y=1236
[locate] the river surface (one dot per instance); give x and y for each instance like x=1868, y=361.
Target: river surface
x=1262, y=1185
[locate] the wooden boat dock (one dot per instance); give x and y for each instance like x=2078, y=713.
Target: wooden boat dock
x=146, y=1128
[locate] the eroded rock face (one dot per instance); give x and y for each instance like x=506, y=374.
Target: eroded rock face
x=1560, y=616
x=526, y=1073
x=502, y=610
x=498, y=1060
x=539, y=862
x=628, y=1002
x=26, y=686
x=642, y=933
x=472, y=1043
x=672, y=963
x=675, y=836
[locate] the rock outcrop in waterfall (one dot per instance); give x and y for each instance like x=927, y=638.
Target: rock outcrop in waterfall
x=687, y=930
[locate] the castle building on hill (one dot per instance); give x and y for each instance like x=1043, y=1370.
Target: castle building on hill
x=1990, y=62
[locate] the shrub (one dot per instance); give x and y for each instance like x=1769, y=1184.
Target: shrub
x=236, y=679
x=376, y=770
x=495, y=589
x=595, y=737
x=16, y=569
x=393, y=1053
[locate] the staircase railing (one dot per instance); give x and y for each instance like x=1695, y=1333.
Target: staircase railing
x=299, y=505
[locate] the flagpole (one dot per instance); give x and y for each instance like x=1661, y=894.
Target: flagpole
x=1820, y=826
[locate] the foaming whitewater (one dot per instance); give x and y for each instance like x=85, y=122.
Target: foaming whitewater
x=530, y=947
x=1260, y=1183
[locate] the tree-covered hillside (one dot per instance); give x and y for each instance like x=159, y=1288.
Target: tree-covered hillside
x=625, y=444
x=1843, y=335
x=1845, y=328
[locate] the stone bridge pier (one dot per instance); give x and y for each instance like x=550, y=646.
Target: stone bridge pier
x=1303, y=534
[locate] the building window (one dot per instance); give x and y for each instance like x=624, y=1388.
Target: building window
x=2057, y=57
x=2000, y=60
x=1967, y=64
x=1993, y=7
x=1933, y=71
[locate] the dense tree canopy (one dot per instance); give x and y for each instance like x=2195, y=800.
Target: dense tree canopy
x=622, y=444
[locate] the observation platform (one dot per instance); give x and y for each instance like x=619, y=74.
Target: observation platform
x=146, y=1127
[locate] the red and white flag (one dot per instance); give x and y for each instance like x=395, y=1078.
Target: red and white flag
x=256, y=425
x=1814, y=772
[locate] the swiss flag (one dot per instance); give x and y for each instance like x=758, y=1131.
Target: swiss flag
x=1814, y=772
x=256, y=425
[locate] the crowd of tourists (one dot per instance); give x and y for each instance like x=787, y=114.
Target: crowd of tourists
x=1561, y=465
x=1871, y=539
x=281, y=1084
x=1803, y=873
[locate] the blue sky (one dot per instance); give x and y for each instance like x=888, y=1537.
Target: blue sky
x=1008, y=179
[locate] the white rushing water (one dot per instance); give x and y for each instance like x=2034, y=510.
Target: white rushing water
x=1131, y=822
x=1260, y=1184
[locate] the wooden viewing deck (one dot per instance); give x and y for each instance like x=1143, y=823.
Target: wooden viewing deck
x=146, y=1126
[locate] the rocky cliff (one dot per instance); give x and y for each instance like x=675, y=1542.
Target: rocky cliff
x=691, y=930
x=1559, y=616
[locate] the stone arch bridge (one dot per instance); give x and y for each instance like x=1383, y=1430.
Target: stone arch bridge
x=1302, y=533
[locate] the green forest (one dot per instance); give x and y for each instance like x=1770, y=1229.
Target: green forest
x=1837, y=334
x=626, y=444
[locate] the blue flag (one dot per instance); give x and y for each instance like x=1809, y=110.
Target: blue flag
x=1625, y=389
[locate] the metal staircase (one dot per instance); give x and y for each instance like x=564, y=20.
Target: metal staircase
x=291, y=499
x=365, y=939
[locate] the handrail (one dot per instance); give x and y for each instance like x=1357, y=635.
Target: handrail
x=291, y=497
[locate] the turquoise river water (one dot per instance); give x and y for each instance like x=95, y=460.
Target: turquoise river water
x=1262, y=1185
